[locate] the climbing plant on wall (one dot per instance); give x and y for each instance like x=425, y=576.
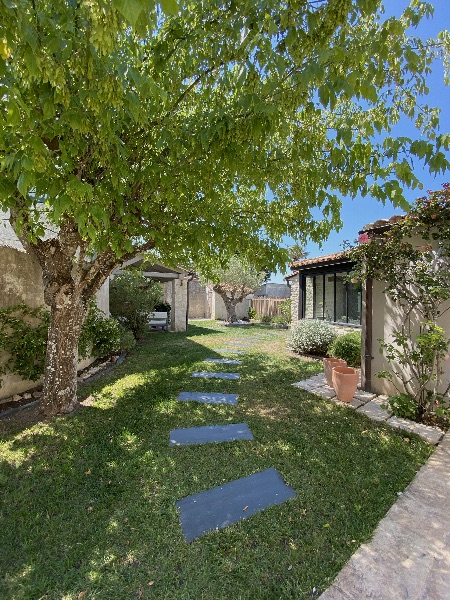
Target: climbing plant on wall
x=417, y=277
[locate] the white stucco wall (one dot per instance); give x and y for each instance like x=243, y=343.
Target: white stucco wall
x=386, y=317
x=218, y=310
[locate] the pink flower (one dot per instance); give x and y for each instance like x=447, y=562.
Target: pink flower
x=423, y=248
x=364, y=238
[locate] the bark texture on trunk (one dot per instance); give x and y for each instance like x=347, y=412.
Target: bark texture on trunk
x=60, y=378
x=230, y=305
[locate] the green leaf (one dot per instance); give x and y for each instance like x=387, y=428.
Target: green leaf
x=13, y=115
x=61, y=205
x=324, y=95
x=170, y=7
x=25, y=182
x=130, y=9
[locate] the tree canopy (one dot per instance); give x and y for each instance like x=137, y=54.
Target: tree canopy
x=203, y=130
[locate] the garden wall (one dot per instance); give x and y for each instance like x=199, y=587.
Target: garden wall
x=21, y=282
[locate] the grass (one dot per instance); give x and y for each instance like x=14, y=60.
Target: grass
x=88, y=501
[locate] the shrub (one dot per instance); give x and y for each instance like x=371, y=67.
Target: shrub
x=251, y=312
x=132, y=297
x=266, y=319
x=404, y=406
x=279, y=319
x=100, y=336
x=347, y=347
x=163, y=307
x=127, y=339
x=311, y=336
x=285, y=308
x=23, y=336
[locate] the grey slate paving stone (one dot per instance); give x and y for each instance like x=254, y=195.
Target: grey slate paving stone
x=209, y=398
x=224, y=505
x=225, y=361
x=210, y=433
x=221, y=350
x=211, y=375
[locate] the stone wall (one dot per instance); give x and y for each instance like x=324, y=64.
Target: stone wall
x=198, y=301
x=175, y=293
x=294, y=298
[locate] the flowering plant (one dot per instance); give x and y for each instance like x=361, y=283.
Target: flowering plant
x=418, y=282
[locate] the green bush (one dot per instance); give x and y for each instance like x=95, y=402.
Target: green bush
x=279, y=319
x=285, y=308
x=347, y=347
x=266, y=319
x=163, y=307
x=23, y=336
x=132, y=298
x=251, y=312
x=404, y=406
x=127, y=339
x=311, y=336
x=100, y=336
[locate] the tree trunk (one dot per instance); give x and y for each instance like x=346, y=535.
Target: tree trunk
x=230, y=305
x=60, y=380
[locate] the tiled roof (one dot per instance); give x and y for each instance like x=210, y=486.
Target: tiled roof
x=306, y=262
x=382, y=223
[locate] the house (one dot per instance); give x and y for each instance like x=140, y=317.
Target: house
x=21, y=282
x=381, y=316
x=273, y=290
x=175, y=287
x=319, y=290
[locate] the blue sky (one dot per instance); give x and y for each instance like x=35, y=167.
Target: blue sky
x=360, y=211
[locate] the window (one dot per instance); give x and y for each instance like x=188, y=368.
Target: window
x=327, y=296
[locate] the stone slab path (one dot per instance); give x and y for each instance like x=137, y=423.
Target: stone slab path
x=408, y=557
x=373, y=406
x=226, y=504
x=240, y=499
x=210, y=433
x=212, y=375
x=231, y=350
x=209, y=398
x=224, y=361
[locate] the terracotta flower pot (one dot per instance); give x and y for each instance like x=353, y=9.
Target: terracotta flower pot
x=345, y=382
x=328, y=364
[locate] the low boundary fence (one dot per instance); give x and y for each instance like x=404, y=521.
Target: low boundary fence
x=267, y=306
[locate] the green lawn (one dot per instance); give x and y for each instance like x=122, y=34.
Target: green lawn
x=88, y=501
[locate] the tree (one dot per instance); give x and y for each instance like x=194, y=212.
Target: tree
x=417, y=278
x=126, y=128
x=132, y=299
x=236, y=281
x=297, y=252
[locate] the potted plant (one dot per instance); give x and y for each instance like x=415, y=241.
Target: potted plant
x=345, y=382
x=328, y=364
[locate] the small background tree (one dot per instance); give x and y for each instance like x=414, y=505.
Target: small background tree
x=234, y=282
x=132, y=297
x=417, y=277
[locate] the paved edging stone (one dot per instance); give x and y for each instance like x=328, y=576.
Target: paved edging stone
x=372, y=406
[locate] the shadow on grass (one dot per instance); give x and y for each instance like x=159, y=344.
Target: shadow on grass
x=91, y=498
